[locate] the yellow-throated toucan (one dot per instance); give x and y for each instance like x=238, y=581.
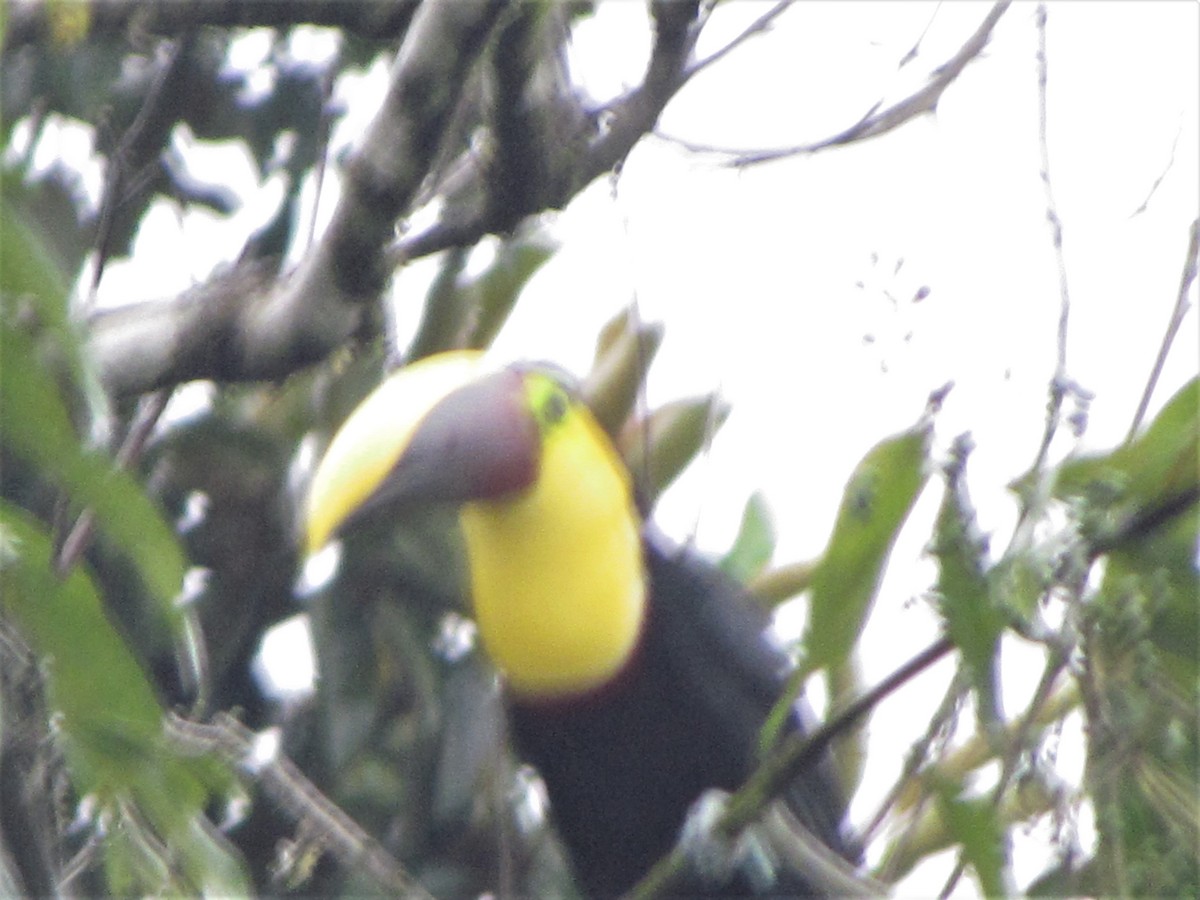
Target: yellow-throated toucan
x=637, y=673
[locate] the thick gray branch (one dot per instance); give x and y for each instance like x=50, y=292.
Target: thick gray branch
x=237, y=328
x=31, y=21
x=580, y=158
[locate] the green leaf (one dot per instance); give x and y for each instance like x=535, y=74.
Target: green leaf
x=972, y=619
x=877, y=500
x=1139, y=505
x=109, y=716
x=37, y=428
x=446, y=311
x=1068, y=879
x=1159, y=463
x=1159, y=574
x=463, y=313
x=28, y=268
x=495, y=292
x=624, y=350
x=109, y=710
x=774, y=586
x=30, y=275
x=755, y=542
x=975, y=825
x=657, y=448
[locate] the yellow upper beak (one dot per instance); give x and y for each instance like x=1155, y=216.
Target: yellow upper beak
x=444, y=428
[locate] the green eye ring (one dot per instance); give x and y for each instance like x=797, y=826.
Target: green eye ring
x=554, y=407
x=549, y=401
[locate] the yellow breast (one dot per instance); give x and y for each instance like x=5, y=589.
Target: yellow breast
x=556, y=571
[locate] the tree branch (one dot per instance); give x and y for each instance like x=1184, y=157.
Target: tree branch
x=794, y=754
x=1186, y=279
x=282, y=781
x=876, y=121
x=236, y=327
x=615, y=131
x=761, y=24
x=35, y=22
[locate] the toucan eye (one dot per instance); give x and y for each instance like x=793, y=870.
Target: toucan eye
x=554, y=407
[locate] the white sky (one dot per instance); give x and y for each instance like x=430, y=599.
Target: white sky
x=770, y=279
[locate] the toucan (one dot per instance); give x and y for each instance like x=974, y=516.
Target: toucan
x=637, y=674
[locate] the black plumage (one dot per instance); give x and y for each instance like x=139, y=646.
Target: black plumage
x=624, y=763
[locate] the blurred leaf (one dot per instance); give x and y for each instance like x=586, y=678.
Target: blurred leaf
x=1067, y=880
x=28, y=268
x=1142, y=775
x=1159, y=577
x=972, y=620
x=81, y=84
x=659, y=447
x=468, y=314
x=774, y=586
x=755, y=542
x=472, y=711
x=130, y=866
x=47, y=209
x=877, y=500
x=36, y=427
x=1140, y=504
x=1020, y=579
x=31, y=275
x=107, y=704
x=110, y=718
x=624, y=350
x=495, y=292
x=447, y=308
x=69, y=22
x=1146, y=818
x=845, y=684
x=1157, y=464
x=975, y=825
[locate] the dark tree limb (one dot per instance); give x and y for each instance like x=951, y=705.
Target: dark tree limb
x=614, y=131
x=237, y=326
x=281, y=780
x=788, y=761
x=33, y=21
x=242, y=326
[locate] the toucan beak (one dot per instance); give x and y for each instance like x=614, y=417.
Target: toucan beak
x=448, y=428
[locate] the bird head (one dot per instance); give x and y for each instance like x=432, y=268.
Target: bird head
x=551, y=531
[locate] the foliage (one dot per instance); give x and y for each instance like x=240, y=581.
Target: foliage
x=143, y=560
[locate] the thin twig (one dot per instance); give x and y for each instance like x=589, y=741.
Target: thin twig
x=1145, y=521
x=1145, y=204
x=794, y=754
x=79, y=538
x=877, y=121
x=1177, y=316
x=1060, y=384
x=321, y=166
x=938, y=733
x=117, y=182
x=761, y=24
x=282, y=781
x=1012, y=752
x=915, y=50
x=1056, y=230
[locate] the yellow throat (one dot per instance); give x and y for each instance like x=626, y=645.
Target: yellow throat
x=556, y=569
